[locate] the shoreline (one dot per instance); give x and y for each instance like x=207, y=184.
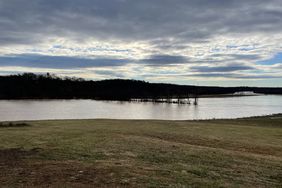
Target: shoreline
x=186, y=120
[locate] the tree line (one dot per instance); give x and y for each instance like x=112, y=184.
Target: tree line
x=48, y=86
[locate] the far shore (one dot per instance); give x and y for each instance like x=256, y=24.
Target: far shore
x=191, y=97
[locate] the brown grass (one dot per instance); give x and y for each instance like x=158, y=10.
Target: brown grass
x=130, y=153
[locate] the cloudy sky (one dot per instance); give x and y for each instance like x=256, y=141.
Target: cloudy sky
x=203, y=42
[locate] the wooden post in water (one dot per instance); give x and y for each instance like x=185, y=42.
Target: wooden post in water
x=196, y=100
x=178, y=99
x=188, y=99
x=196, y=96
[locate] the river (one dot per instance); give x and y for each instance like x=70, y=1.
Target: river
x=208, y=108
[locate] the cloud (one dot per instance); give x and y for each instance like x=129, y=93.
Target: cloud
x=207, y=36
x=109, y=73
x=239, y=56
x=28, y=21
x=69, y=62
x=226, y=68
x=233, y=76
x=163, y=60
x=58, y=62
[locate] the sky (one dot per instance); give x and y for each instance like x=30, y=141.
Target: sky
x=198, y=42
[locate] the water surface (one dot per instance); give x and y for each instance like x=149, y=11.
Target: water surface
x=208, y=108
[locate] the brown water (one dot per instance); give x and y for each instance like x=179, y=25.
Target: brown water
x=208, y=108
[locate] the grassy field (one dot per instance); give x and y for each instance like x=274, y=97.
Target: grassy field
x=145, y=153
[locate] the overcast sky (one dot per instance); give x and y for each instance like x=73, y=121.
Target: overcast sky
x=203, y=42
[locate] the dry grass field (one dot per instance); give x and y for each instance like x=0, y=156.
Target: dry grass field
x=142, y=153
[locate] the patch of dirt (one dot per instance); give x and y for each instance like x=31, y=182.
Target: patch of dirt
x=20, y=168
x=13, y=156
x=8, y=125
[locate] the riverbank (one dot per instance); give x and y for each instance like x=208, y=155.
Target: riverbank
x=142, y=153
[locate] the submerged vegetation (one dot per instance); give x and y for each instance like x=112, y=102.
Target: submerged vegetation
x=48, y=86
x=141, y=153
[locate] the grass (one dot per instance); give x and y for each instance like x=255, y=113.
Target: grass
x=142, y=153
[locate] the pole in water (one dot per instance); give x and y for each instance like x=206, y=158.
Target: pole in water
x=196, y=100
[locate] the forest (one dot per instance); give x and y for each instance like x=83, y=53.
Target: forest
x=49, y=86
